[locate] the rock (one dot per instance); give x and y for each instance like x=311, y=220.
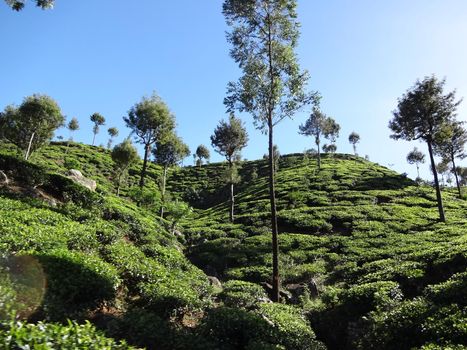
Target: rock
x=79, y=178
x=313, y=288
x=214, y=281
x=3, y=178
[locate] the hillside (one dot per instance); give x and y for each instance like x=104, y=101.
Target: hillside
x=364, y=262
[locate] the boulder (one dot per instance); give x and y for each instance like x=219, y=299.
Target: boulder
x=79, y=178
x=214, y=281
x=3, y=178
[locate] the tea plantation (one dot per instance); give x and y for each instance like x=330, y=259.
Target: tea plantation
x=365, y=264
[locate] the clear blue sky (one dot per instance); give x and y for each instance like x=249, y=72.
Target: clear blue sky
x=104, y=55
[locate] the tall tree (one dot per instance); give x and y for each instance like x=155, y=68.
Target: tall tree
x=416, y=157
x=443, y=169
x=354, y=138
x=331, y=148
x=449, y=144
x=264, y=35
x=320, y=125
x=202, y=152
x=169, y=152
x=113, y=132
x=228, y=140
x=150, y=120
x=32, y=124
x=124, y=155
x=18, y=5
x=98, y=120
x=73, y=125
x=420, y=115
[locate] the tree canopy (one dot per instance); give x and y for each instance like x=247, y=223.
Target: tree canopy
x=202, y=152
x=229, y=138
x=354, y=138
x=113, y=132
x=150, y=120
x=416, y=157
x=32, y=124
x=320, y=125
x=264, y=34
x=420, y=115
x=18, y=5
x=123, y=155
x=449, y=144
x=98, y=120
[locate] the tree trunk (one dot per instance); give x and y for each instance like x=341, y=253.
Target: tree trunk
x=275, y=231
x=119, y=183
x=454, y=170
x=354, y=149
x=145, y=164
x=438, y=191
x=232, y=195
x=94, y=139
x=272, y=170
x=418, y=171
x=319, y=154
x=164, y=179
x=28, y=152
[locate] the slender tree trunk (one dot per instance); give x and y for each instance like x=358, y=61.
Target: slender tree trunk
x=145, y=164
x=454, y=170
x=418, y=171
x=94, y=138
x=275, y=230
x=272, y=170
x=232, y=195
x=164, y=179
x=319, y=153
x=28, y=152
x=438, y=191
x=354, y=149
x=119, y=183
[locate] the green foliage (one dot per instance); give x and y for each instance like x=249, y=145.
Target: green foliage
x=150, y=120
x=272, y=326
x=354, y=138
x=170, y=151
x=319, y=125
x=229, y=138
x=76, y=282
x=124, y=155
x=18, y=5
x=242, y=294
x=202, y=152
x=363, y=244
x=32, y=124
x=20, y=335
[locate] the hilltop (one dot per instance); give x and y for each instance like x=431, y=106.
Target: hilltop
x=364, y=261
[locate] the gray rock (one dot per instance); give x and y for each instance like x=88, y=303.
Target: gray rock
x=214, y=281
x=79, y=178
x=3, y=178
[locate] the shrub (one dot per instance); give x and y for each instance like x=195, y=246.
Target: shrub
x=20, y=335
x=76, y=282
x=242, y=294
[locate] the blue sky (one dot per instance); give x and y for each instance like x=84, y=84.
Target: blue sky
x=104, y=55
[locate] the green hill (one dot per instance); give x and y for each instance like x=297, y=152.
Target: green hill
x=365, y=264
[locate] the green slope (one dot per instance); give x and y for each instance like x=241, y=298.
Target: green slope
x=71, y=254
x=362, y=240
x=364, y=262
